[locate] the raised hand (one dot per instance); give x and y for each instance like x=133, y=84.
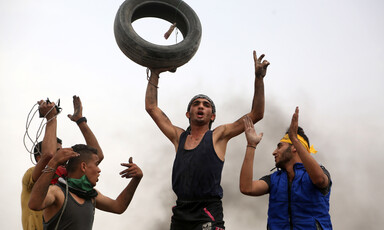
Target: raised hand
x=47, y=109
x=250, y=133
x=63, y=155
x=133, y=171
x=292, y=133
x=260, y=65
x=77, y=109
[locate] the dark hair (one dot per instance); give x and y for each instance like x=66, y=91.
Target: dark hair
x=85, y=152
x=300, y=131
x=39, y=148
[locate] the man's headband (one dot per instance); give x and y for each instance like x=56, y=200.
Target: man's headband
x=302, y=141
x=204, y=97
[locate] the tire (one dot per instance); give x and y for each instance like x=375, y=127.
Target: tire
x=151, y=55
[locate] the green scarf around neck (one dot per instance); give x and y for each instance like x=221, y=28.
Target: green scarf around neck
x=80, y=184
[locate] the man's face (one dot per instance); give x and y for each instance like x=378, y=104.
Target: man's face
x=282, y=154
x=92, y=170
x=201, y=111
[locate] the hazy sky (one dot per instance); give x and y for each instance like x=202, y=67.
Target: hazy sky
x=326, y=57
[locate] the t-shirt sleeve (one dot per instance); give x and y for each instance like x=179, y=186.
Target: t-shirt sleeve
x=27, y=179
x=326, y=190
x=267, y=179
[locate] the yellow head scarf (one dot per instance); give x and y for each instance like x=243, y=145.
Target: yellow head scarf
x=302, y=141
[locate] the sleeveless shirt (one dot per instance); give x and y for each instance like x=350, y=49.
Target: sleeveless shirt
x=300, y=206
x=197, y=172
x=75, y=217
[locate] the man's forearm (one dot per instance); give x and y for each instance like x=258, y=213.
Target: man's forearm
x=151, y=93
x=91, y=139
x=40, y=189
x=258, y=101
x=246, y=174
x=311, y=166
x=48, y=147
x=125, y=197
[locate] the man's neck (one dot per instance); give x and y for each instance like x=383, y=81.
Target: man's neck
x=75, y=175
x=198, y=131
x=289, y=168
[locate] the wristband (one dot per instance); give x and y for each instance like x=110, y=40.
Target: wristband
x=251, y=146
x=83, y=119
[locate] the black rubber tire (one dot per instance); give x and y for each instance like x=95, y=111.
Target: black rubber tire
x=151, y=55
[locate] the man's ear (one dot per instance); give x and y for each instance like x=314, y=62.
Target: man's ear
x=83, y=166
x=213, y=117
x=188, y=115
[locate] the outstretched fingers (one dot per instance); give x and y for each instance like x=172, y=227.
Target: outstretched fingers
x=77, y=109
x=258, y=59
x=250, y=133
x=294, y=124
x=64, y=154
x=132, y=170
x=261, y=57
x=260, y=65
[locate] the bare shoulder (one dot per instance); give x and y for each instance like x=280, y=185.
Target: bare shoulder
x=56, y=192
x=219, y=130
x=101, y=198
x=53, y=201
x=227, y=131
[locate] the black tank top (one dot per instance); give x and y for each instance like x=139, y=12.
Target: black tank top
x=75, y=217
x=196, y=173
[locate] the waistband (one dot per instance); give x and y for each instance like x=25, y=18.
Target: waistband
x=209, y=199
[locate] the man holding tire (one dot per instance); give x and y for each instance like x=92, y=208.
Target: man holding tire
x=200, y=152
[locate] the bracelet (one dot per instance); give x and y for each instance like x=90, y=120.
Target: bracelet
x=83, y=119
x=48, y=169
x=153, y=84
x=251, y=146
x=149, y=81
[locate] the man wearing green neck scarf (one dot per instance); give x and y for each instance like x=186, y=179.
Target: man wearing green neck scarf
x=74, y=208
x=32, y=220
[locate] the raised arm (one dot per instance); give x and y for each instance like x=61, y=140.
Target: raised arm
x=226, y=132
x=88, y=135
x=162, y=121
x=124, y=199
x=257, y=112
x=42, y=195
x=247, y=185
x=49, y=144
x=317, y=175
